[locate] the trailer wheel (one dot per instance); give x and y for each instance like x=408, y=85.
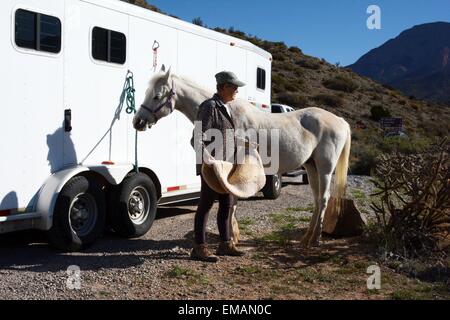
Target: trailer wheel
x=79, y=215
x=133, y=207
x=272, y=189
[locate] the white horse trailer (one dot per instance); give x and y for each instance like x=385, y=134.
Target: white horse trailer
x=67, y=163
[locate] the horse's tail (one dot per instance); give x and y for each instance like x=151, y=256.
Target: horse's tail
x=342, y=169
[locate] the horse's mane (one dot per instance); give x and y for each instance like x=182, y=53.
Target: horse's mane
x=161, y=74
x=153, y=80
x=193, y=84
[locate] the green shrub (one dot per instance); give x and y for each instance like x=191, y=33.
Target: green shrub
x=198, y=21
x=295, y=50
x=280, y=45
x=389, y=87
x=285, y=65
x=277, y=90
x=278, y=80
x=410, y=145
x=366, y=161
x=308, y=64
x=298, y=72
x=341, y=83
x=377, y=112
x=370, y=144
x=144, y=4
x=376, y=97
x=329, y=100
x=294, y=100
x=178, y=271
x=278, y=57
x=294, y=85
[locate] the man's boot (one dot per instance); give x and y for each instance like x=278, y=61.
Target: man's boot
x=200, y=252
x=228, y=248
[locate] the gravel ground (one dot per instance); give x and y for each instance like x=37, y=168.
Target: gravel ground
x=116, y=268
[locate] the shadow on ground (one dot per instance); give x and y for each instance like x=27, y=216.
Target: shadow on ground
x=290, y=253
x=30, y=251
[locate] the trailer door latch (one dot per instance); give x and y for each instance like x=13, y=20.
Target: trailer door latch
x=67, y=120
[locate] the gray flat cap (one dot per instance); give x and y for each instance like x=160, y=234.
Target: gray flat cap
x=228, y=77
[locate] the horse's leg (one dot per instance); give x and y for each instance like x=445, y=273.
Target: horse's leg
x=314, y=184
x=234, y=226
x=324, y=196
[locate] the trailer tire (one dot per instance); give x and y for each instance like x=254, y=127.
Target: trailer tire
x=134, y=205
x=79, y=215
x=272, y=189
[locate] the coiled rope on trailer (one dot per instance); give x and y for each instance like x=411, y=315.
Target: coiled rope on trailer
x=129, y=95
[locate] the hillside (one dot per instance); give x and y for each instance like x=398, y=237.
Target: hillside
x=143, y=4
x=303, y=81
x=417, y=62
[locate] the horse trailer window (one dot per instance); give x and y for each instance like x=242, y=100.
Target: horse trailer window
x=50, y=34
x=109, y=46
x=37, y=31
x=261, y=79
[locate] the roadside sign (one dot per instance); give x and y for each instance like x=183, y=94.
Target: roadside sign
x=396, y=123
x=391, y=125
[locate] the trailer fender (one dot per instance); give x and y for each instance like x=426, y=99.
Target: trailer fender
x=114, y=174
x=49, y=193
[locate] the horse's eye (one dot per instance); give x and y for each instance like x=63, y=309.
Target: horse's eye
x=157, y=97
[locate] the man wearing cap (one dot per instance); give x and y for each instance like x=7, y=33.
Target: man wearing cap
x=214, y=114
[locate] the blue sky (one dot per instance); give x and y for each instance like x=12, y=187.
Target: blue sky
x=330, y=29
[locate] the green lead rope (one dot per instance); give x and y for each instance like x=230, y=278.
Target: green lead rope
x=129, y=93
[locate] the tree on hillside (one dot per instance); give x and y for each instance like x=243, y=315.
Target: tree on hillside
x=143, y=4
x=198, y=21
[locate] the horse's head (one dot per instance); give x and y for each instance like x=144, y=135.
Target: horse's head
x=159, y=101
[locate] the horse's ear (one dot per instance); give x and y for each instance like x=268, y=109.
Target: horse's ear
x=163, y=68
x=168, y=74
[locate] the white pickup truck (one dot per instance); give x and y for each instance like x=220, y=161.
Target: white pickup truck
x=281, y=108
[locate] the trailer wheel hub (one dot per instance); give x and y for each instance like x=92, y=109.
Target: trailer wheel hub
x=138, y=205
x=83, y=214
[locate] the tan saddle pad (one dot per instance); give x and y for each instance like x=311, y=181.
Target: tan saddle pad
x=242, y=180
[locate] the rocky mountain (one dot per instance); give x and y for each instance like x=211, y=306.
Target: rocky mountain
x=417, y=62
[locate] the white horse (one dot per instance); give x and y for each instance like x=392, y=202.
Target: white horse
x=311, y=137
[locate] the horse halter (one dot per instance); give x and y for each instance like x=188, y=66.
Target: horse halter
x=167, y=103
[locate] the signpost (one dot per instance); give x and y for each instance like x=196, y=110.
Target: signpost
x=391, y=125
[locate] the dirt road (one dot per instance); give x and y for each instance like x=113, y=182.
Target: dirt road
x=156, y=266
